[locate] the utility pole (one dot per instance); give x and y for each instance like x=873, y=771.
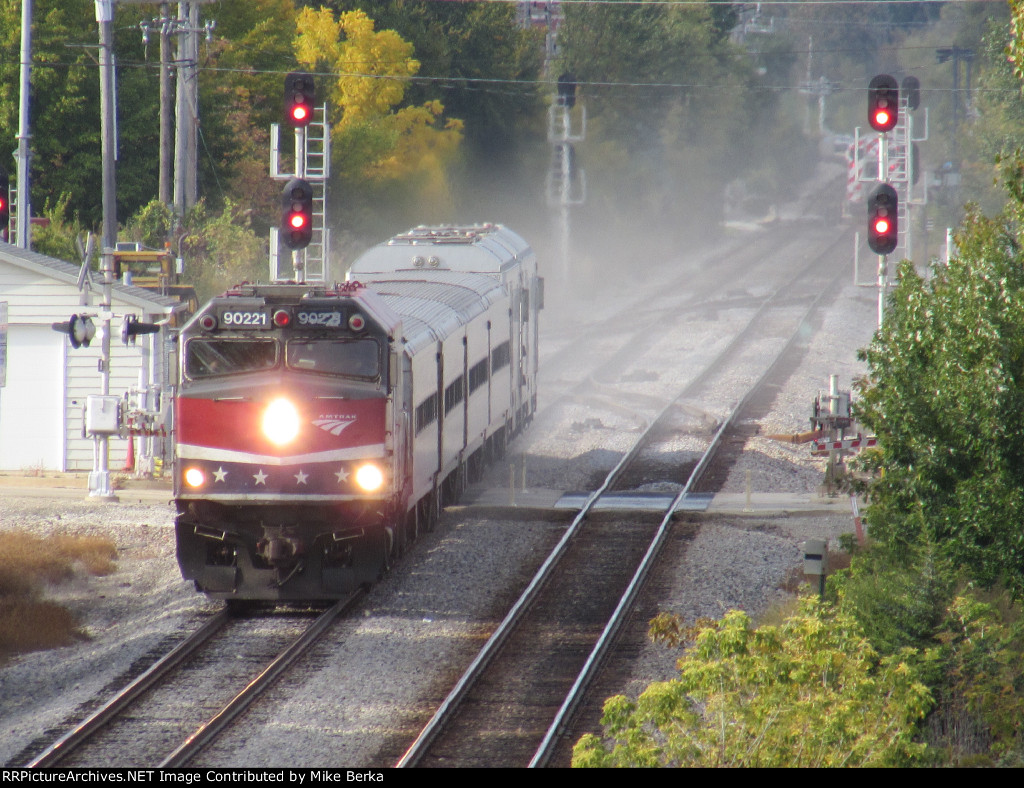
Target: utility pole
x=179, y=109
x=166, y=104
x=186, y=184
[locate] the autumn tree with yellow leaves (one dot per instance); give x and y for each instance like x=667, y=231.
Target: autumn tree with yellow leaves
x=375, y=139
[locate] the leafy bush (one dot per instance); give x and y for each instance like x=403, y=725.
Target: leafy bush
x=811, y=692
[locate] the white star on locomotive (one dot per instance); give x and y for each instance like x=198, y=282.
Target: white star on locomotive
x=300, y=477
x=220, y=474
x=342, y=476
x=260, y=477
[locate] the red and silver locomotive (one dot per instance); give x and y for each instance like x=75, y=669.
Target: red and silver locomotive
x=320, y=427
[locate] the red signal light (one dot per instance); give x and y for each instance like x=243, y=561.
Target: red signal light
x=883, y=103
x=299, y=99
x=883, y=211
x=297, y=214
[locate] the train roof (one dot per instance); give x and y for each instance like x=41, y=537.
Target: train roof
x=479, y=248
x=433, y=306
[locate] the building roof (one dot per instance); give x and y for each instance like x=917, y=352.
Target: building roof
x=69, y=273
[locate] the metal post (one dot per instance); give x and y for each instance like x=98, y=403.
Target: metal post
x=882, y=270
x=105, y=18
x=99, y=479
x=299, y=255
x=24, y=227
x=883, y=172
x=856, y=258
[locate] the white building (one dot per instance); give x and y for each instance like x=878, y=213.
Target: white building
x=47, y=381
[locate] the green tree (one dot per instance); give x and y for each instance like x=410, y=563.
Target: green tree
x=811, y=692
x=945, y=396
x=377, y=138
x=64, y=102
x=221, y=249
x=241, y=83
x=980, y=686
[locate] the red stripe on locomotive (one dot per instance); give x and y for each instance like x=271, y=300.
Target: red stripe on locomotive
x=237, y=425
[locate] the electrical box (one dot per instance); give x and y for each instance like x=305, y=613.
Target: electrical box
x=102, y=415
x=815, y=557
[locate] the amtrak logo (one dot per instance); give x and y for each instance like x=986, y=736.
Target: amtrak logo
x=334, y=424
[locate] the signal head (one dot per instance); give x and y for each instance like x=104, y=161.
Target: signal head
x=297, y=214
x=299, y=98
x=883, y=227
x=883, y=103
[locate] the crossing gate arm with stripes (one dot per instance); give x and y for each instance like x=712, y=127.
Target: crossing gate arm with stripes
x=822, y=448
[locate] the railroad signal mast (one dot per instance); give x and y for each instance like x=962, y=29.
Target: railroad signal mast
x=883, y=203
x=566, y=181
x=303, y=227
x=890, y=108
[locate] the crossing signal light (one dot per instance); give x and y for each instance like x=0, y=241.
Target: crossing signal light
x=883, y=103
x=297, y=214
x=299, y=97
x=80, y=330
x=132, y=327
x=883, y=228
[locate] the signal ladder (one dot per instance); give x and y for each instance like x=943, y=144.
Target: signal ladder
x=12, y=218
x=899, y=171
x=316, y=169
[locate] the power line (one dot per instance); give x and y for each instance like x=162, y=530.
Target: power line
x=481, y=83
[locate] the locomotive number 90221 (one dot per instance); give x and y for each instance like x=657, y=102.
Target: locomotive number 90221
x=244, y=319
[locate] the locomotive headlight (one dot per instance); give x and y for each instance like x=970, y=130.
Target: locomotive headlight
x=194, y=477
x=281, y=422
x=369, y=477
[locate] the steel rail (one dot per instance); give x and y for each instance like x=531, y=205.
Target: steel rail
x=589, y=670
x=210, y=729
x=446, y=710
x=125, y=697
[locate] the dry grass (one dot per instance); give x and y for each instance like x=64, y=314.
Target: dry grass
x=28, y=564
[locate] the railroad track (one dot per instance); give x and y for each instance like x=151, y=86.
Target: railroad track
x=169, y=713
x=514, y=703
x=603, y=383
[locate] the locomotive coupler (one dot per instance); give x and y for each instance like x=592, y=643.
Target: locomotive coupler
x=278, y=549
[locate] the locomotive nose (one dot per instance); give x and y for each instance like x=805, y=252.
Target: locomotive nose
x=281, y=421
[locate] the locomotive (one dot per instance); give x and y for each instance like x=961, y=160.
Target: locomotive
x=319, y=428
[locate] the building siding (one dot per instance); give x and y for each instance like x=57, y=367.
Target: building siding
x=40, y=298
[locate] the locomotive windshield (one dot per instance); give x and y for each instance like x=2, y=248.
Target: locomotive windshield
x=208, y=357
x=355, y=358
